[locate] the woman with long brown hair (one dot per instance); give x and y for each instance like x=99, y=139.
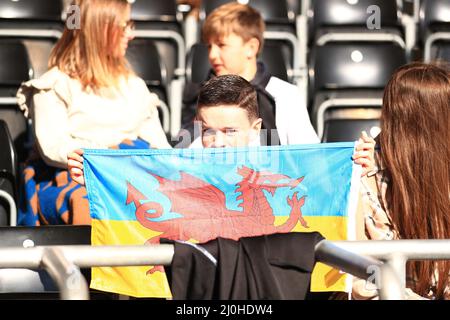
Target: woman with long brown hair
x=89, y=98
x=409, y=196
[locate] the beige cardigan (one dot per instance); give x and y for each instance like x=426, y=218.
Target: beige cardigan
x=66, y=118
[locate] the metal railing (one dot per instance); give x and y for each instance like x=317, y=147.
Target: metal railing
x=63, y=263
x=353, y=257
x=396, y=253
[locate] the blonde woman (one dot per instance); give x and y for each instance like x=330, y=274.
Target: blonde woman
x=89, y=98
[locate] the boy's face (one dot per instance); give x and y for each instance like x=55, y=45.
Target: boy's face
x=227, y=126
x=231, y=55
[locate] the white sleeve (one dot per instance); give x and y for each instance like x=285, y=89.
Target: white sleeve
x=51, y=127
x=292, y=118
x=300, y=129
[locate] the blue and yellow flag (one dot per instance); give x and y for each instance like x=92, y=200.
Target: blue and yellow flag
x=140, y=196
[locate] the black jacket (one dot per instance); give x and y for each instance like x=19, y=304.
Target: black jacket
x=271, y=267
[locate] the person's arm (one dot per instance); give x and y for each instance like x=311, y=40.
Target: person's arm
x=51, y=125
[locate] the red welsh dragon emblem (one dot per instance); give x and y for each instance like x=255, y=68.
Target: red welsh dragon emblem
x=204, y=212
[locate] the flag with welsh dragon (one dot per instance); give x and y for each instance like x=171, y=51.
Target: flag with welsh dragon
x=137, y=197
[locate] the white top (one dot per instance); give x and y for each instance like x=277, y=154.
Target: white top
x=291, y=117
x=67, y=118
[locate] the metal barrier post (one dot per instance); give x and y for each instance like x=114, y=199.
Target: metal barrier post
x=70, y=281
x=390, y=285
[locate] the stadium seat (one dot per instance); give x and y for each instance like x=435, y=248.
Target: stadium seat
x=15, y=68
x=161, y=22
x=38, y=23
x=350, y=76
x=342, y=20
x=37, y=284
x=273, y=11
x=30, y=18
x=435, y=29
x=8, y=178
x=343, y=130
x=146, y=62
x=198, y=66
x=442, y=51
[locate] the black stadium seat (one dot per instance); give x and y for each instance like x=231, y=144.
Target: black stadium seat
x=42, y=10
x=146, y=62
x=343, y=13
x=273, y=11
x=350, y=76
x=38, y=23
x=340, y=65
x=14, y=70
x=8, y=177
x=45, y=236
x=161, y=22
x=342, y=20
x=198, y=66
x=31, y=18
x=355, y=48
x=340, y=130
x=442, y=51
x=37, y=284
x=435, y=29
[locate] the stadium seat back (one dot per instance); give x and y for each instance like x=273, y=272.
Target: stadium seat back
x=8, y=173
x=197, y=64
x=340, y=65
x=45, y=236
x=15, y=69
x=8, y=160
x=15, y=63
x=42, y=10
x=344, y=130
x=442, y=51
x=37, y=284
x=145, y=60
x=154, y=10
x=433, y=14
x=272, y=55
x=434, y=29
x=339, y=13
x=272, y=11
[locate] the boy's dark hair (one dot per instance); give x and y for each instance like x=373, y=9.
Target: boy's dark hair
x=229, y=90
